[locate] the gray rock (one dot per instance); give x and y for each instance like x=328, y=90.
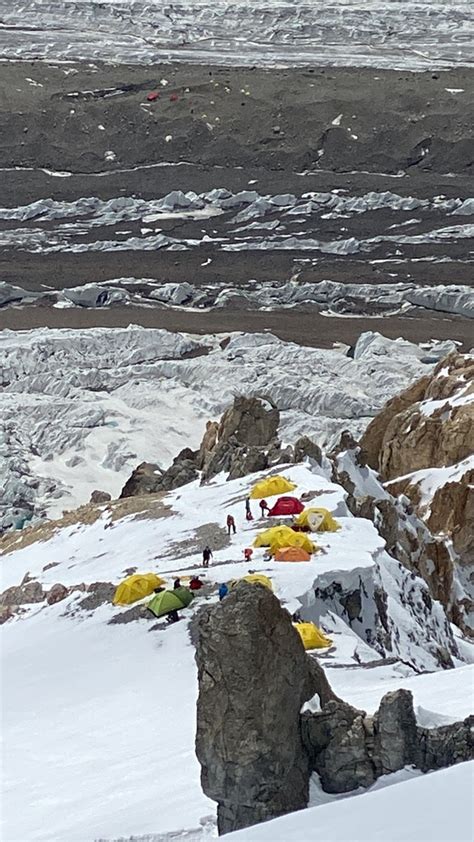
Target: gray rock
x=337, y=740
x=98, y=593
x=136, y=612
x=395, y=732
x=253, y=678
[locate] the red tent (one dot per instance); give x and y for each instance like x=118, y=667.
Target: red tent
x=286, y=506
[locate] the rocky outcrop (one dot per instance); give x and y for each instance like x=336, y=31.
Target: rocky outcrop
x=255, y=747
x=254, y=677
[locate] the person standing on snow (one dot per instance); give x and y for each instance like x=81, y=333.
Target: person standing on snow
x=206, y=556
x=177, y=583
x=230, y=525
x=263, y=507
x=223, y=591
x=247, y=505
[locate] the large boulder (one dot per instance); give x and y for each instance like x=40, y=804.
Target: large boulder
x=254, y=676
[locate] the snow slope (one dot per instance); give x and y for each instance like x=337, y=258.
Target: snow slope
x=430, y=808
x=98, y=720
x=81, y=408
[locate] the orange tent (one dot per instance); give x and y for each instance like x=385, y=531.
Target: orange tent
x=292, y=554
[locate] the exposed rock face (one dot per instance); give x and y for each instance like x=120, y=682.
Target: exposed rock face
x=254, y=676
x=100, y=497
x=374, y=436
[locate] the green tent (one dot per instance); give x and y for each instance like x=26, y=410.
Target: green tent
x=166, y=601
x=184, y=594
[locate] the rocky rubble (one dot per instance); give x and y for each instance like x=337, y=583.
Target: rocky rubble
x=255, y=748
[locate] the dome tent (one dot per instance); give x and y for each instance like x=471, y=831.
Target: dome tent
x=278, y=537
x=317, y=520
x=292, y=554
x=311, y=636
x=270, y=486
x=286, y=506
x=136, y=587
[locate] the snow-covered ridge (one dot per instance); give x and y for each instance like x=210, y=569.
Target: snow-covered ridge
x=81, y=408
x=373, y=33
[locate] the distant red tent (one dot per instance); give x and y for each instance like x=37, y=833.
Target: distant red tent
x=286, y=506
x=152, y=96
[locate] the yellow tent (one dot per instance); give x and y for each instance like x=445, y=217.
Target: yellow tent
x=270, y=486
x=311, y=636
x=278, y=537
x=318, y=520
x=136, y=587
x=254, y=579
x=258, y=579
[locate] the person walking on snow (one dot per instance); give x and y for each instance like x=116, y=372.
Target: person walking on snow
x=247, y=505
x=206, y=556
x=263, y=507
x=230, y=525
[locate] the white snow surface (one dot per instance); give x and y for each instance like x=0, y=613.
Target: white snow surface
x=98, y=720
x=429, y=808
x=81, y=408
